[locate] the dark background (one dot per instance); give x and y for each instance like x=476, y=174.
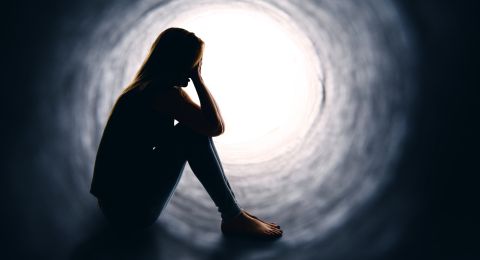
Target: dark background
x=441, y=157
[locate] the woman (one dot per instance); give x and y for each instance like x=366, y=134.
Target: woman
x=142, y=154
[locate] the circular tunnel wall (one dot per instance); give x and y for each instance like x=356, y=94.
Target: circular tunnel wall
x=321, y=181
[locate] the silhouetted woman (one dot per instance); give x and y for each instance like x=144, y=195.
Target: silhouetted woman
x=142, y=154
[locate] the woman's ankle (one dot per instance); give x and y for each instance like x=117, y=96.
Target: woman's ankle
x=232, y=217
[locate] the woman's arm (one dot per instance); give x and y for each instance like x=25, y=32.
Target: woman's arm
x=209, y=107
x=206, y=119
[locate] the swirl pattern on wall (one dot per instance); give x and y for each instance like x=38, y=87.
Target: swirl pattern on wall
x=361, y=92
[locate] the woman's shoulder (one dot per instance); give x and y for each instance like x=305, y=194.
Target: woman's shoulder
x=126, y=103
x=168, y=96
x=161, y=99
x=130, y=93
x=132, y=97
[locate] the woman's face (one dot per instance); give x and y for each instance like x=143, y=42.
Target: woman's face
x=182, y=81
x=184, y=76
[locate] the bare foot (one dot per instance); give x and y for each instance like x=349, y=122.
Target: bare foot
x=245, y=225
x=268, y=223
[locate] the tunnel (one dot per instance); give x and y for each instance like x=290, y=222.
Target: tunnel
x=350, y=151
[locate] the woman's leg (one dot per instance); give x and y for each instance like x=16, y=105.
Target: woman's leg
x=141, y=208
x=203, y=159
x=201, y=154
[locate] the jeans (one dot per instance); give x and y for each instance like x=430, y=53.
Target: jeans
x=200, y=153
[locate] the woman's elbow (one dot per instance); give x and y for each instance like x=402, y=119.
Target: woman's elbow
x=217, y=130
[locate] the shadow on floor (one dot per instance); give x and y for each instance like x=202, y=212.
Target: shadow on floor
x=108, y=243
x=105, y=242
x=233, y=248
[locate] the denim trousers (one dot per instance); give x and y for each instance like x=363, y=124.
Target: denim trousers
x=200, y=153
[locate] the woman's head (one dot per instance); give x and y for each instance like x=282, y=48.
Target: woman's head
x=172, y=56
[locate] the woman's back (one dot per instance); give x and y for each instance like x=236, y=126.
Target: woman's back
x=135, y=136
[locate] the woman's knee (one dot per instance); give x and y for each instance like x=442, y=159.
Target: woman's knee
x=186, y=133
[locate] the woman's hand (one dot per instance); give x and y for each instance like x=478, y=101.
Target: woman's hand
x=196, y=72
x=205, y=118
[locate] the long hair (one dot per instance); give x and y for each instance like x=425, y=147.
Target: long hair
x=172, y=55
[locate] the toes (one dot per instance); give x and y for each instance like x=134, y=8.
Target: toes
x=268, y=223
x=275, y=233
x=274, y=225
x=271, y=223
x=279, y=232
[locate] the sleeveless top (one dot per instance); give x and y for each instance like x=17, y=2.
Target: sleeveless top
x=135, y=146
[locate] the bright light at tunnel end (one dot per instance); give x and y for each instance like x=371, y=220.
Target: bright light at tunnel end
x=263, y=72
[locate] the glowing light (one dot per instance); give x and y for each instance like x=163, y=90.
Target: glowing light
x=263, y=74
